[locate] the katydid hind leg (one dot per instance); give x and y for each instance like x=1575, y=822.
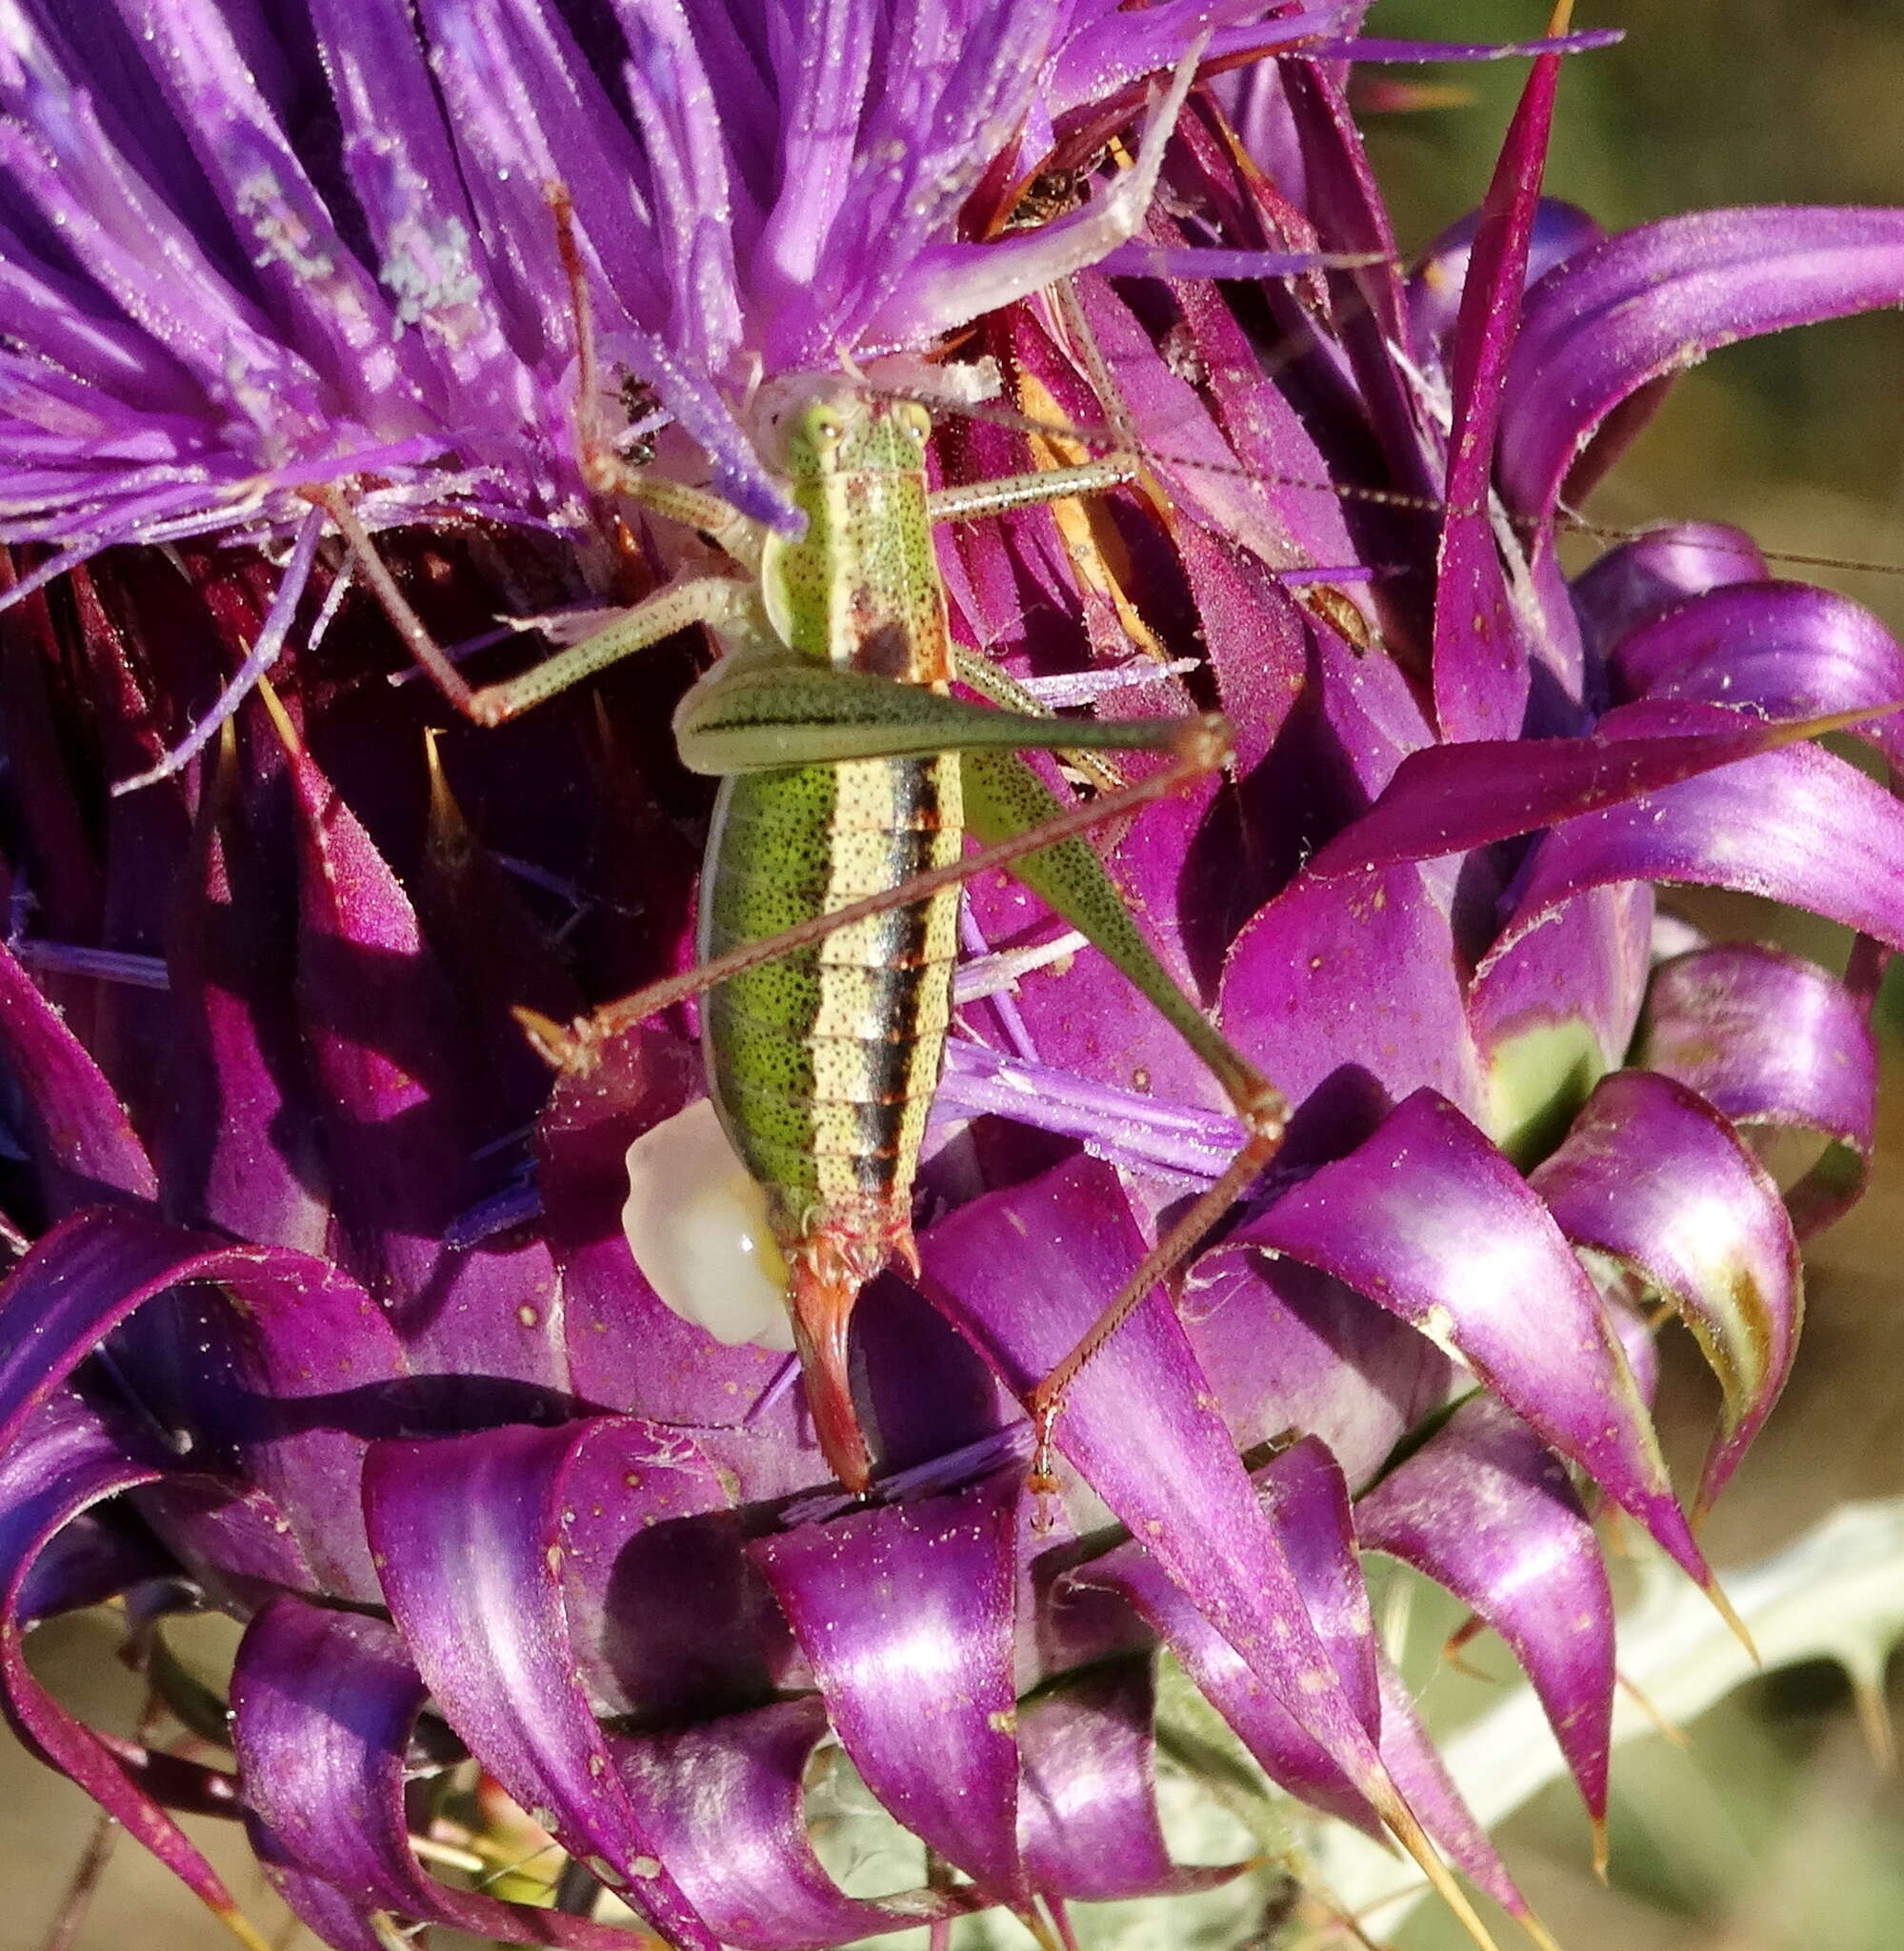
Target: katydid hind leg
x=1034, y=835
x=759, y=715
x=1047, y=1400
x=576, y=1046
x=1005, y=796
x=1003, y=793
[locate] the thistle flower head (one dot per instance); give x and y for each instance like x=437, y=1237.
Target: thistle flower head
x=241, y=264
x=326, y=1315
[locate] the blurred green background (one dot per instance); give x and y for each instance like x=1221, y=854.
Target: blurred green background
x=1773, y=1830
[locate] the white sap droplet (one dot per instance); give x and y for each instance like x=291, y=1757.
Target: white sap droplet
x=696, y=1225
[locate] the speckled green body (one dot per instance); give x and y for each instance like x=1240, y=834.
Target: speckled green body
x=823, y=1063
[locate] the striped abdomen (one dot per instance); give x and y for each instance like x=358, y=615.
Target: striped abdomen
x=824, y=1062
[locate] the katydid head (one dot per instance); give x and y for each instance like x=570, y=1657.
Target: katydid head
x=816, y=427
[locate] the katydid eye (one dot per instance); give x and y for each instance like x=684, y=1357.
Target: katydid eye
x=917, y=422
x=825, y=433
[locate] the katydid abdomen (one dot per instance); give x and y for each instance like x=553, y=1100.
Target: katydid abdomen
x=823, y=1063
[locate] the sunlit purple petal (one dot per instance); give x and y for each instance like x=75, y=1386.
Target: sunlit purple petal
x=322, y=1708
x=1653, y=1176
x=725, y=1801
x=1485, y=1509
x=61, y=1461
x=468, y=1534
x=1286, y=1347
x=293, y=1328
x=1481, y=655
x=1638, y=581
x=1308, y=1503
x=1347, y=992
x=1649, y=302
x=1087, y=1806
x=1265, y=1726
x=646, y=1520
x=907, y=1615
x=1451, y=797
x=1770, y=1039
x=1797, y=824
x=1427, y=1220
x=1779, y=649
x=1556, y=1009
x=1023, y=1274
x=1431, y=1791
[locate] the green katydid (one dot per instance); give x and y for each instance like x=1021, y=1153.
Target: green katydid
x=830, y=893
x=850, y=776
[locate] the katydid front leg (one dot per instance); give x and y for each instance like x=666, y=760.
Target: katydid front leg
x=724, y=603
x=730, y=605
x=976, y=498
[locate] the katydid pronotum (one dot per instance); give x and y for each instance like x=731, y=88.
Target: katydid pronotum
x=830, y=893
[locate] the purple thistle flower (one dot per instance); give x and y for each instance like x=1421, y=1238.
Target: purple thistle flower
x=325, y=1314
